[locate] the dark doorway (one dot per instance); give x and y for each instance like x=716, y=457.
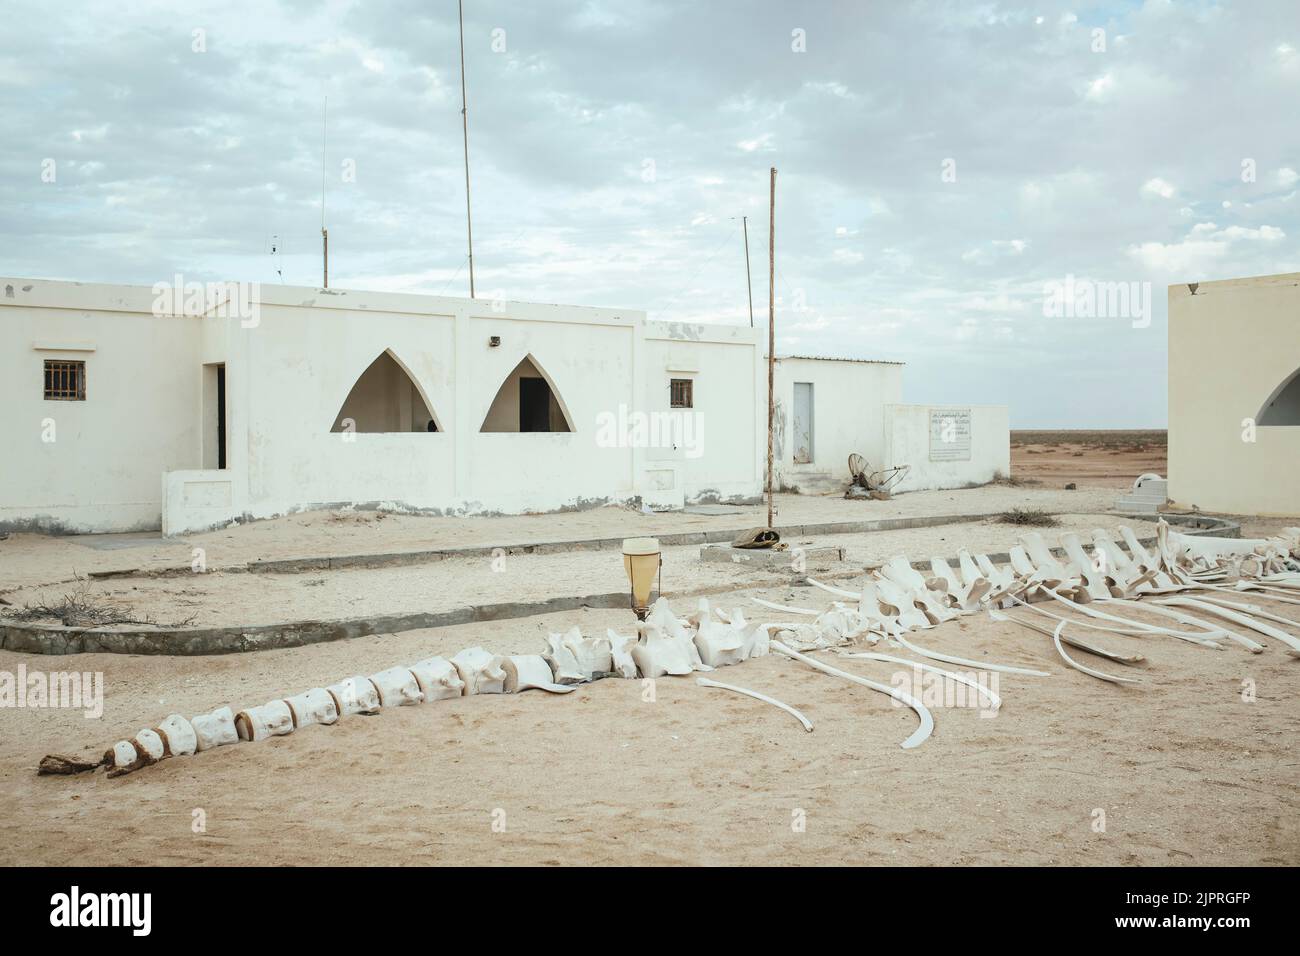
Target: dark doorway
x=534, y=405
x=221, y=416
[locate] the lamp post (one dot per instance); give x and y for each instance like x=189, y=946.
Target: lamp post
x=642, y=561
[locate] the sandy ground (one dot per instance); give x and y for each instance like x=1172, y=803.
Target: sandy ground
x=240, y=598
x=34, y=559
x=1181, y=768
x=1090, y=459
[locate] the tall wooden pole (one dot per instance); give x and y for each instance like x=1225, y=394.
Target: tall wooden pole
x=464, y=120
x=771, y=336
x=749, y=283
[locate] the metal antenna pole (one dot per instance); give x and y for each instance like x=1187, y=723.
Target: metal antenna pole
x=771, y=335
x=749, y=282
x=464, y=117
x=324, y=233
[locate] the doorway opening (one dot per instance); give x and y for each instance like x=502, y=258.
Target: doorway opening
x=527, y=402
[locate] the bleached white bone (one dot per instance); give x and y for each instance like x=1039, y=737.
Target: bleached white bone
x=177, y=735
x=438, y=678
x=481, y=671
x=984, y=691
x=397, y=687
x=1210, y=631
x=529, y=672
x=1237, y=618
x=657, y=655
x=591, y=654
x=936, y=656
x=919, y=736
x=1256, y=611
x=706, y=682
x=354, y=695
x=620, y=652
x=148, y=742
x=899, y=571
x=122, y=757
x=661, y=616
x=838, y=592
x=314, y=706
x=563, y=661
x=215, y=729
x=889, y=596
x=272, y=719
x=788, y=608
x=1094, y=581
x=1091, y=672
x=1103, y=616
x=720, y=645
x=1072, y=641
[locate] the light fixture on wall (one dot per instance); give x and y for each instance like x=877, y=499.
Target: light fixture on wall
x=642, y=561
x=494, y=341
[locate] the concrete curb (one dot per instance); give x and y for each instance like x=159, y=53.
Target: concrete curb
x=193, y=641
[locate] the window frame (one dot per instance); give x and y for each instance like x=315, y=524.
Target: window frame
x=58, y=393
x=689, y=389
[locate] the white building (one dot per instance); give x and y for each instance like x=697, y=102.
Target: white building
x=1234, y=395
x=183, y=408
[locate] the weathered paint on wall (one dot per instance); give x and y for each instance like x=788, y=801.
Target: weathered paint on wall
x=908, y=442
x=849, y=399
x=138, y=452
x=1231, y=345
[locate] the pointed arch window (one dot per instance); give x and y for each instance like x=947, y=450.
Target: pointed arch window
x=1283, y=406
x=386, y=398
x=527, y=401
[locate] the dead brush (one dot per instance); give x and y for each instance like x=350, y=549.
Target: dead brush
x=84, y=608
x=1032, y=517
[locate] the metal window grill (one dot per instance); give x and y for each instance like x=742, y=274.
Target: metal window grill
x=682, y=393
x=65, y=381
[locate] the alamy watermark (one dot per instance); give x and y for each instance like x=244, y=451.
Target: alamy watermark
x=681, y=428
x=1087, y=299
x=222, y=300
x=62, y=689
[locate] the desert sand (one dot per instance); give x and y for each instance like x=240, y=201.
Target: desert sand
x=1195, y=765
x=1183, y=768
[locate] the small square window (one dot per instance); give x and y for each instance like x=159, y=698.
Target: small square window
x=65, y=381
x=682, y=393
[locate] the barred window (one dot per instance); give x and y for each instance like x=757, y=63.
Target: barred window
x=65, y=381
x=682, y=393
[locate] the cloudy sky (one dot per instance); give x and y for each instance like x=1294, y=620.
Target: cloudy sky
x=943, y=168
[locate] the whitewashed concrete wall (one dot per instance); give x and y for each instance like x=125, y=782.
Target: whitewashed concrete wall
x=93, y=465
x=908, y=442
x=848, y=416
x=139, y=453
x=1232, y=346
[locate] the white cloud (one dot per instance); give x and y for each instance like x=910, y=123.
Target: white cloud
x=1158, y=187
x=1286, y=176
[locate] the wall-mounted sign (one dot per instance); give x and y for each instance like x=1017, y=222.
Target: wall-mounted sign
x=950, y=434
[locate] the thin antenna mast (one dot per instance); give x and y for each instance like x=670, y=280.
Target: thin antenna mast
x=324, y=233
x=771, y=335
x=464, y=118
x=749, y=282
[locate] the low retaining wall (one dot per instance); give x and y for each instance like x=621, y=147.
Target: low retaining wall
x=34, y=638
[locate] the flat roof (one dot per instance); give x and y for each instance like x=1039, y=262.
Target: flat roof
x=836, y=358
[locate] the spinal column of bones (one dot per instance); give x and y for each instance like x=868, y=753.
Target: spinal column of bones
x=662, y=645
x=891, y=602
x=1185, y=574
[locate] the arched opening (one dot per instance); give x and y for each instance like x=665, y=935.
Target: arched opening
x=1283, y=406
x=527, y=402
x=385, y=399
